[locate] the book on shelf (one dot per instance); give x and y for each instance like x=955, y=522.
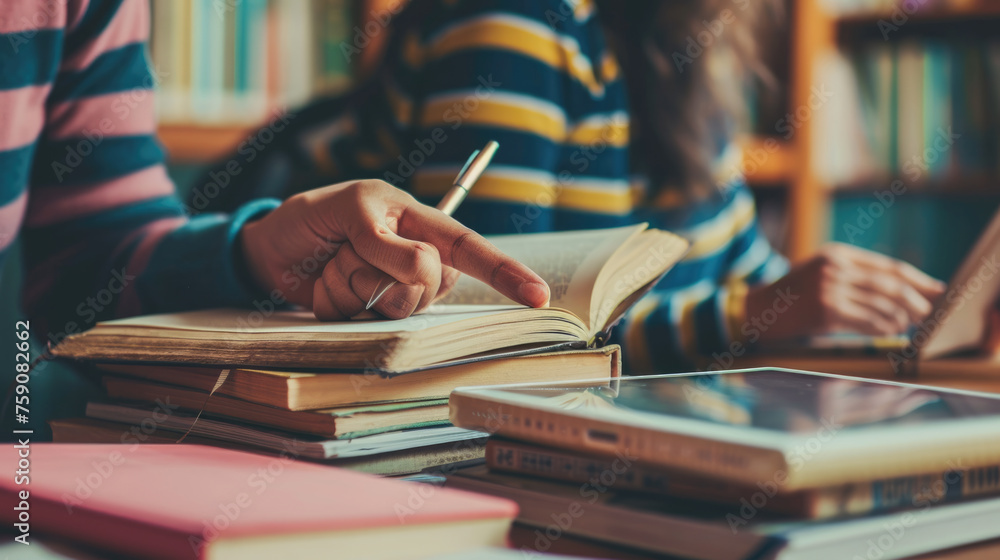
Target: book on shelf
x=391, y=463
x=594, y=275
x=924, y=114
x=303, y=390
x=192, y=501
x=236, y=61
x=894, y=10
x=702, y=531
x=624, y=473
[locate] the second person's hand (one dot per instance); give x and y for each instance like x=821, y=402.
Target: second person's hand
x=847, y=289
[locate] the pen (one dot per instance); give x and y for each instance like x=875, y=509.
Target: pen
x=467, y=176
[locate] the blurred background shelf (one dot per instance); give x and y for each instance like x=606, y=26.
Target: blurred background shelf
x=948, y=12
x=767, y=161
x=200, y=143
x=312, y=47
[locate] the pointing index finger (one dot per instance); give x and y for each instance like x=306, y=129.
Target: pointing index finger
x=469, y=252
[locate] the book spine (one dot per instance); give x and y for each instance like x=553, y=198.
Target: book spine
x=197, y=53
x=162, y=68
x=947, y=486
x=622, y=473
x=258, y=58
x=229, y=46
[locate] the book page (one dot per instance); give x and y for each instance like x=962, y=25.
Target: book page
x=966, y=304
x=249, y=321
x=644, y=260
x=568, y=261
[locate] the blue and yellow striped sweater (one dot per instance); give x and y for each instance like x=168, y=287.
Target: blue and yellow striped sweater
x=539, y=77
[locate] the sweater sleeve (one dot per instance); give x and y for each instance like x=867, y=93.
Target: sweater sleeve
x=697, y=317
x=104, y=232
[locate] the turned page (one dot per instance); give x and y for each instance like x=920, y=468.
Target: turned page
x=569, y=262
x=636, y=264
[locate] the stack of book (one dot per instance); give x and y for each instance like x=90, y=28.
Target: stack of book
x=366, y=394
x=767, y=463
x=234, y=60
x=383, y=425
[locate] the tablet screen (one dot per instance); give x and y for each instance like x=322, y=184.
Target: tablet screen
x=775, y=400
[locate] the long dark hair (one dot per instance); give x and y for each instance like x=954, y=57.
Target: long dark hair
x=684, y=63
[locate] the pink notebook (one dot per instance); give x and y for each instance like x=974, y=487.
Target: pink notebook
x=192, y=501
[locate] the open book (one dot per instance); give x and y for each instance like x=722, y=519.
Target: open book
x=594, y=276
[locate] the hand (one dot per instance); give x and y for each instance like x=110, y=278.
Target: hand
x=845, y=289
x=330, y=248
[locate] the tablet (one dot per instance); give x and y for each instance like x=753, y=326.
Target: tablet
x=807, y=429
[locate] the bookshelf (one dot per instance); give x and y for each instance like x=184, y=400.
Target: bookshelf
x=817, y=32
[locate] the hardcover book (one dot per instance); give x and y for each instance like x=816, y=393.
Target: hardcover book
x=191, y=501
x=594, y=276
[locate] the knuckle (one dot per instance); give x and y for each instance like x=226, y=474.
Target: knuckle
x=362, y=189
x=827, y=305
x=368, y=234
x=828, y=283
x=299, y=201
x=423, y=260
x=460, y=242
x=822, y=262
x=333, y=271
x=831, y=256
x=400, y=303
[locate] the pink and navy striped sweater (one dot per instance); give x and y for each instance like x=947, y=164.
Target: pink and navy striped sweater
x=82, y=179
